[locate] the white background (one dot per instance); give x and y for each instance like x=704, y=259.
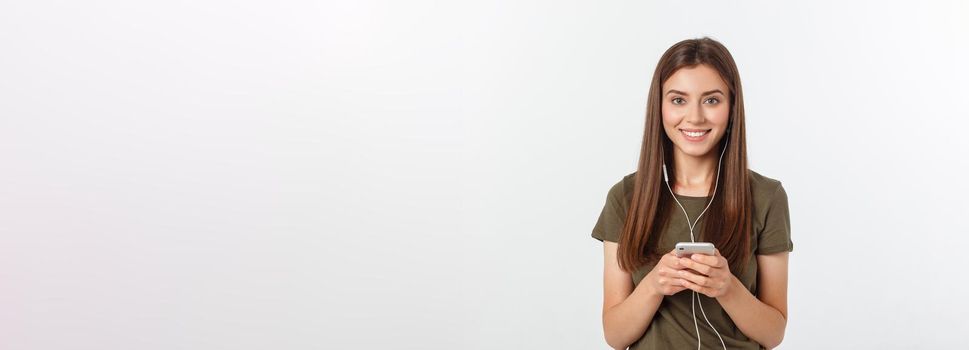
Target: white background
x=426, y=175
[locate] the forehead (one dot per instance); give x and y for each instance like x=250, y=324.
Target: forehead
x=695, y=80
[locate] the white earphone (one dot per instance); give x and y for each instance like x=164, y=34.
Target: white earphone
x=696, y=299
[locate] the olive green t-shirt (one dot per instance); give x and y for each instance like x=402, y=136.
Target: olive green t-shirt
x=672, y=326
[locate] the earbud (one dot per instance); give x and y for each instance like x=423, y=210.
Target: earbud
x=665, y=177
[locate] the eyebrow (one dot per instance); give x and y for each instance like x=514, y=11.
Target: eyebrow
x=686, y=94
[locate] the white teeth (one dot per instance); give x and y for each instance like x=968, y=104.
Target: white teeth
x=694, y=134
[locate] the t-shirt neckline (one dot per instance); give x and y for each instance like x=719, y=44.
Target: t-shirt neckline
x=680, y=196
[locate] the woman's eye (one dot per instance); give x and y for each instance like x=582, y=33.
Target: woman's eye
x=712, y=100
x=678, y=101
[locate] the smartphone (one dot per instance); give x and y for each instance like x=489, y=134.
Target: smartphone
x=685, y=249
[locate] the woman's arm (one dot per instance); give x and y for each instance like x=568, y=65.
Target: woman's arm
x=762, y=318
x=626, y=312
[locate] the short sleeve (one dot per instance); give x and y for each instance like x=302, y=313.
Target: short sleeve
x=613, y=215
x=776, y=235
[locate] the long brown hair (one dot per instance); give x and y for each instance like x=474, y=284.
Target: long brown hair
x=727, y=223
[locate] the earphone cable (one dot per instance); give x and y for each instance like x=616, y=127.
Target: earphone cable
x=695, y=299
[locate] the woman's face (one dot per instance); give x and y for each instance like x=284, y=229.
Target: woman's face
x=696, y=109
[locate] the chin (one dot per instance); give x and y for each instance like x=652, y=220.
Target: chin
x=700, y=150
x=696, y=151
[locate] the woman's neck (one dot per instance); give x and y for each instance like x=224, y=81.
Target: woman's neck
x=694, y=175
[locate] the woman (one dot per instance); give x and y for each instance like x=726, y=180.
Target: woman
x=695, y=135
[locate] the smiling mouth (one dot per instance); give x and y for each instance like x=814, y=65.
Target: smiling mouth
x=695, y=133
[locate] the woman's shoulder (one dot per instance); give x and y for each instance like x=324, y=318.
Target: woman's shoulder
x=761, y=181
x=623, y=188
x=764, y=188
x=628, y=181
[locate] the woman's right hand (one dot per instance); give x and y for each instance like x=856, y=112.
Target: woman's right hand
x=664, y=277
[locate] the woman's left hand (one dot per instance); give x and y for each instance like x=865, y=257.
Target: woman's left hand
x=715, y=278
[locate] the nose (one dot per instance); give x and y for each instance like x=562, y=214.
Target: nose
x=695, y=115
